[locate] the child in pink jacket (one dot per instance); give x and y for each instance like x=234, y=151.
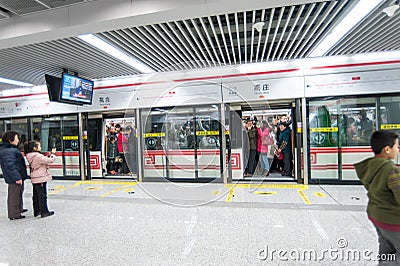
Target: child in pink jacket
x=40, y=174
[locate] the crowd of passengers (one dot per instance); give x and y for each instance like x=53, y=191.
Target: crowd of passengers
x=267, y=147
x=121, y=149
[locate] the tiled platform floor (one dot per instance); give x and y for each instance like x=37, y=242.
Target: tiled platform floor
x=129, y=223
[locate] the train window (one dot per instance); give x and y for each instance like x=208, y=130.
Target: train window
x=389, y=114
x=19, y=125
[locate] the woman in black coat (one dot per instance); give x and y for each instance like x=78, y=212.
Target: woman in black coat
x=14, y=172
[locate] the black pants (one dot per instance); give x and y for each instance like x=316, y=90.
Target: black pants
x=15, y=202
x=276, y=164
x=39, y=198
x=112, y=165
x=287, y=164
x=252, y=161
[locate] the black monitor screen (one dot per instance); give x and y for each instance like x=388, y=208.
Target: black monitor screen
x=76, y=90
x=53, y=87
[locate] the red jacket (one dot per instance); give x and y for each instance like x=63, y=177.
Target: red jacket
x=262, y=148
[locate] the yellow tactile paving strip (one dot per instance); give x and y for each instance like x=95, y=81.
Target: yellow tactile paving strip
x=300, y=189
x=257, y=191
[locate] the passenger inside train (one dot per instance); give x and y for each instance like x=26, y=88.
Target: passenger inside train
x=261, y=161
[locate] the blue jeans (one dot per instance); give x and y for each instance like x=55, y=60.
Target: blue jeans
x=264, y=161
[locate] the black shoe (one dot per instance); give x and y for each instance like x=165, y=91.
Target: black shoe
x=36, y=214
x=47, y=214
x=16, y=218
x=24, y=210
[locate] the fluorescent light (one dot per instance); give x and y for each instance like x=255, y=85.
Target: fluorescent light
x=111, y=50
x=359, y=11
x=15, y=82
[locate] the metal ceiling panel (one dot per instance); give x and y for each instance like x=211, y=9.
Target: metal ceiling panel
x=290, y=32
x=22, y=7
x=377, y=34
x=60, y=3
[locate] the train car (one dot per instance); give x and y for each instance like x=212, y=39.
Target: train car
x=187, y=126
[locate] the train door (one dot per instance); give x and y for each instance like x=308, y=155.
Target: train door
x=182, y=143
x=120, y=145
x=340, y=130
x=273, y=114
x=60, y=132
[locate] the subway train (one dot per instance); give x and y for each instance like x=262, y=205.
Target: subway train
x=187, y=126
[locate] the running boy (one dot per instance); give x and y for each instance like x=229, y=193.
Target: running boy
x=381, y=178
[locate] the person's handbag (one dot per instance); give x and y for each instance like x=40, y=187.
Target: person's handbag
x=118, y=159
x=278, y=155
x=267, y=140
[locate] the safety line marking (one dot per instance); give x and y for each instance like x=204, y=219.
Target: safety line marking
x=319, y=194
x=303, y=196
x=113, y=191
x=265, y=192
x=216, y=192
x=266, y=186
x=90, y=182
x=62, y=188
x=230, y=196
x=94, y=188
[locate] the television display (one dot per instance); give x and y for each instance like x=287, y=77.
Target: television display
x=76, y=90
x=53, y=87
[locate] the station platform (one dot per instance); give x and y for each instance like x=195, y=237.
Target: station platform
x=115, y=222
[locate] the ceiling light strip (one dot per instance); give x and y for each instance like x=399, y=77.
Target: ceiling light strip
x=357, y=35
x=102, y=45
x=352, y=18
x=92, y=55
x=15, y=82
x=112, y=37
x=131, y=46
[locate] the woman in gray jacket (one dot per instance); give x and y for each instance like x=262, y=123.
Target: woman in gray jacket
x=40, y=175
